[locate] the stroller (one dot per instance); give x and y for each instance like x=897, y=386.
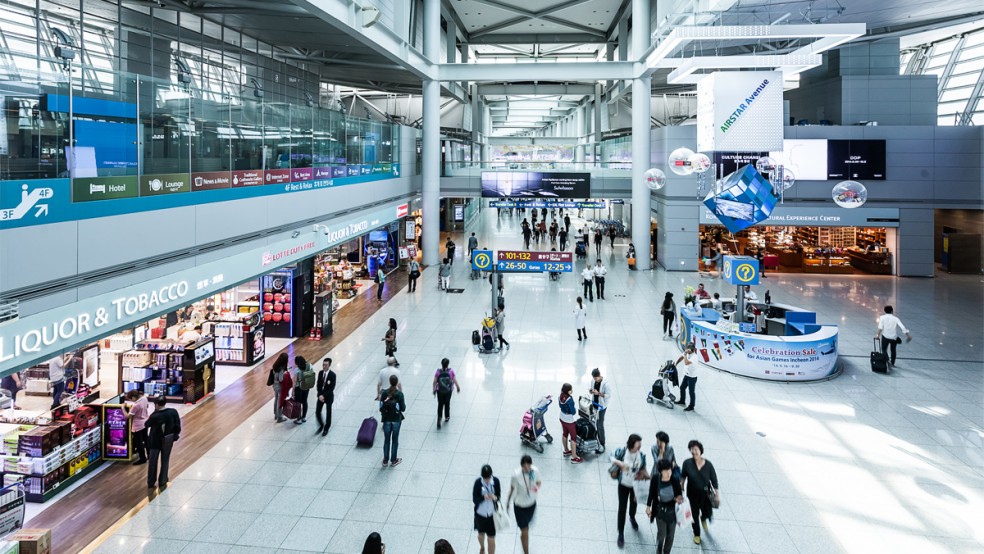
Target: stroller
x=587, y=427
x=666, y=387
x=486, y=340
x=533, y=425
x=581, y=250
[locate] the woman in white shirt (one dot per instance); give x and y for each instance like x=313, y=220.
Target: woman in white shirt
x=525, y=484
x=631, y=464
x=689, y=377
x=580, y=315
x=485, y=493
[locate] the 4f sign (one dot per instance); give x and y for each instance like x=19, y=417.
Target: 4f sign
x=32, y=201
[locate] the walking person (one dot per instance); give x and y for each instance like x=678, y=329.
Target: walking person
x=163, y=429
x=442, y=546
x=414, y=274
x=380, y=281
x=689, y=360
x=12, y=384
x=631, y=463
x=665, y=493
x=390, y=339
x=698, y=478
x=56, y=377
x=587, y=278
x=889, y=326
x=383, y=379
x=568, y=422
x=445, y=274
x=580, y=315
x=612, y=233
x=445, y=382
x=326, y=396
x=138, y=410
x=663, y=451
x=523, y=488
x=668, y=311
x=526, y=235
x=472, y=246
x=597, y=240
x=450, y=247
x=500, y=327
x=306, y=380
x=567, y=223
x=562, y=236
x=599, y=277
x=392, y=405
x=601, y=392
x=278, y=373
x=586, y=236
x=485, y=494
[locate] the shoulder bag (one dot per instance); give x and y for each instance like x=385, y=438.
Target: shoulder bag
x=613, y=470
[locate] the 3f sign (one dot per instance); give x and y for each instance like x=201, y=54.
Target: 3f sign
x=28, y=201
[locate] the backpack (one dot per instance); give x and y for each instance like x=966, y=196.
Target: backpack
x=388, y=409
x=444, y=382
x=307, y=378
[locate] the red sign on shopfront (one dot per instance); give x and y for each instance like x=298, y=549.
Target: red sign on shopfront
x=276, y=176
x=211, y=180
x=524, y=256
x=402, y=210
x=247, y=178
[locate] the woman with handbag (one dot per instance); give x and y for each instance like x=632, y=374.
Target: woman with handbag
x=668, y=311
x=390, y=339
x=701, y=483
x=525, y=484
x=628, y=464
x=664, y=492
x=276, y=381
x=485, y=495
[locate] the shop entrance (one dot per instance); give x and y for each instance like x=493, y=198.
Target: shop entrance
x=802, y=249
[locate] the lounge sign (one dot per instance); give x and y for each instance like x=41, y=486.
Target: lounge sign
x=37, y=337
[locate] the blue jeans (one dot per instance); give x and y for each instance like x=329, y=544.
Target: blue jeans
x=391, y=431
x=691, y=383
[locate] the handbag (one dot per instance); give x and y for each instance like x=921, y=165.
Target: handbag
x=640, y=487
x=613, y=470
x=500, y=517
x=713, y=496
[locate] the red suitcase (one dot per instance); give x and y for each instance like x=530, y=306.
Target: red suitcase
x=292, y=409
x=367, y=432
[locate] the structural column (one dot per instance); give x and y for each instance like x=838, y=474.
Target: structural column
x=641, y=159
x=431, y=145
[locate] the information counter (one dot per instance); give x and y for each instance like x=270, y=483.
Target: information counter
x=805, y=351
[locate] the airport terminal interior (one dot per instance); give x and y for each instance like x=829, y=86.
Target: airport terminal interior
x=719, y=261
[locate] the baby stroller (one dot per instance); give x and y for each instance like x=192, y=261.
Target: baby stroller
x=486, y=340
x=534, y=426
x=666, y=387
x=581, y=250
x=587, y=427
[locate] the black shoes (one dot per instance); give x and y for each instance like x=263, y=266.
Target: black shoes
x=635, y=524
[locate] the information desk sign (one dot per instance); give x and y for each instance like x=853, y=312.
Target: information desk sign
x=740, y=270
x=481, y=260
x=531, y=262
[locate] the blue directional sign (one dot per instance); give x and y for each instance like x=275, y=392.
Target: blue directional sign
x=740, y=270
x=534, y=267
x=538, y=204
x=482, y=260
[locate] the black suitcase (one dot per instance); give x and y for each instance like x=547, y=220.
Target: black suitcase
x=879, y=361
x=476, y=338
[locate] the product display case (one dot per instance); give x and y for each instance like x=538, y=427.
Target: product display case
x=181, y=373
x=240, y=342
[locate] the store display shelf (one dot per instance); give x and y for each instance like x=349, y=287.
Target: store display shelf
x=40, y=498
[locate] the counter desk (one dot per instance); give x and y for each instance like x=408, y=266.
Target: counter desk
x=799, y=349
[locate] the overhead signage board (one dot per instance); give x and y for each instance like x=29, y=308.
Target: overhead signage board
x=527, y=256
x=40, y=336
x=521, y=261
x=740, y=270
x=740, y=111
x=821, y=216
x=171, y=183
x=535, y=184
x=856, y=159
x=727, y=163
x=540, y=204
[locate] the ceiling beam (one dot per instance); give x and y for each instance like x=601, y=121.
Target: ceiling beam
x=529, y=15
x=618, y=17
x=537, y=38
x=340, y=61
x=449, y=11
x=574, y=89
x=560, y=71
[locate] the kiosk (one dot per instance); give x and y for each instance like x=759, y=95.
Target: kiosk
x=796, y=348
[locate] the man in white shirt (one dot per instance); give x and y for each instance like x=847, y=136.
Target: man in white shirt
x=889, y=326
x=601, y=392
x=384, y=376
x=588, y=276
x=599, y=276
x=750, y=294
x=56, y=376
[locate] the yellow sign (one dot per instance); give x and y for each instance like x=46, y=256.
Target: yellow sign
x=727, y=269
x=745, y=273
x=482, y=260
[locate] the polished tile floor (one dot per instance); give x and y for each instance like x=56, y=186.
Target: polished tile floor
x=861, y=463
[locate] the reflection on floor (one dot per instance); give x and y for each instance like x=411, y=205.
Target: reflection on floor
x=862, y=463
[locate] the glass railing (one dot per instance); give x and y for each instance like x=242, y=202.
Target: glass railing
x=139, y=125
x=596, y=169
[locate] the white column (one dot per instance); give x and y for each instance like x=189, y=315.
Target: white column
x=641, y=156
x=579, y=133
x=431, y=171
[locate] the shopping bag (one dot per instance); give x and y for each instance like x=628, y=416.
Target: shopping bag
x=684, y=515
x=292, y=409
x=500, y=517
x=676, y=325
x=641, y=489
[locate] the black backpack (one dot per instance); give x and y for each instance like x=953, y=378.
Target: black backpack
x=389, y=409
x=444, y=382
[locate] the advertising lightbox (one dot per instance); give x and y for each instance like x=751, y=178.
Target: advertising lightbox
x=740, y=111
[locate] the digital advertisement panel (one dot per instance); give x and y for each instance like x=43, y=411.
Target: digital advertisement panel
x=856, y=159
x=116, y=433
x=806, y=158
x=503, y=184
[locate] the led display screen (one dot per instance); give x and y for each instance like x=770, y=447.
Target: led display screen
x=856, y=159
x=534, y=184
x=806, y=158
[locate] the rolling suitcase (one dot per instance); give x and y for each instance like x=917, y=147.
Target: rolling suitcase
x=367, y=432
x=879, y=361
x=292, y=409
x=476, y=338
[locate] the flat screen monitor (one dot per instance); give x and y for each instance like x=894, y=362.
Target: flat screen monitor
x=806, y=158
x=856, y=159
x=729, y=162
x=378, y=236
x=535, y=184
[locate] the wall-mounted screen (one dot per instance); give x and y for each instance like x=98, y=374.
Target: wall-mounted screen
x=806, y=158
x=505, y=184
x=856, y=159
x=729, y=162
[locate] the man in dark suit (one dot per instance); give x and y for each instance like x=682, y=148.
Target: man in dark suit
x=163, y=428
x=326, y=395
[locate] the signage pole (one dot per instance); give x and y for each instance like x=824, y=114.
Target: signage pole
x=494, y=281
x=740, y=305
